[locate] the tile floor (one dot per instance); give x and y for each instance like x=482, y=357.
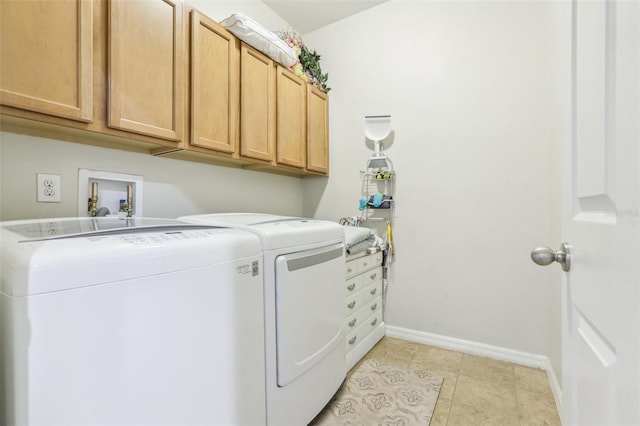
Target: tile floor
x=476, y=390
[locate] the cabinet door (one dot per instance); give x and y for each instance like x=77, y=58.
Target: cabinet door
x=291, y=117
x=257, y=105
x=214, y=85
x=317, y=130
x=146, y=54
x=46, y=57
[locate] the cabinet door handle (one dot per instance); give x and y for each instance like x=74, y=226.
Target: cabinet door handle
x=353, y=340
x=353, y=322
x=351, y=305
x=374, y=306
x=373, y=291
x=374, y=322
x=373, y=276
x=351, y=286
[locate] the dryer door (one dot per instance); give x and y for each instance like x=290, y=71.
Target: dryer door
x=309, y=309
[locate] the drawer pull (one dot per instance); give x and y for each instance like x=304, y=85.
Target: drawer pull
x=365, y=264
x=351, y=305
x=375, y=321
x=373, y=276
x=351, y=286
x=374, y=291
x=349, y=270
x=353, y=340
x=374, y=306
x=353, y=322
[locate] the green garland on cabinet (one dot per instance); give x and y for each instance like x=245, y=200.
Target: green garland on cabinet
x=308, y=65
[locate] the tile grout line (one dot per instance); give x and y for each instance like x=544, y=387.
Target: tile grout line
x=453, y=396
x=515, y=390
x=455, y=387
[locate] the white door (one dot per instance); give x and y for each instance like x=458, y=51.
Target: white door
x=600, y=218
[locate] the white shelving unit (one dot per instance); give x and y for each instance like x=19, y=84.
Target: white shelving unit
x=378, y=182
x=368, y=273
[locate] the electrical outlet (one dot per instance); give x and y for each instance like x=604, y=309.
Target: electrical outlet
x=48, y=188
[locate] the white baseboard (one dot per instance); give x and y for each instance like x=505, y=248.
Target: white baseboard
x=555, y=389
x=482, y=349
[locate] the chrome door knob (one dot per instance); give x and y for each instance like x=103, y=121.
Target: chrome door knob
x=545, y=256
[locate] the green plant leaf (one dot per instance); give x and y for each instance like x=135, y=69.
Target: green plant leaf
x=309, y=60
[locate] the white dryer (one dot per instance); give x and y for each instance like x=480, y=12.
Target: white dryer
x=130, y=322
x=304, y=312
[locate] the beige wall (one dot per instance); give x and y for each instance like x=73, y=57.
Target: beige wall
x=171, y=187
x=468, y=86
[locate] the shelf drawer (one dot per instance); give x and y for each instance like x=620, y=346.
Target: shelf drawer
x=356, y=319
x=364, y=263
x=373, y=320
x=353, y=303
x=371, y=292
x=356, y=336
x=359, y=282
x=371, y=276
x=370, y=261
x=351, y=268
x=374, y=305
x=352, y=286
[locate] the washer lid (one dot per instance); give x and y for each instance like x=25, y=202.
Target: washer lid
x=275, y=231
x=76, y=256
x=47, y=229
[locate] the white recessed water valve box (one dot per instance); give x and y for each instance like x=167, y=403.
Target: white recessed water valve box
x=102, y=193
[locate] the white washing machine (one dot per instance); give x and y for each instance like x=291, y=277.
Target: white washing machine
x=304, y=312
x=130, y=322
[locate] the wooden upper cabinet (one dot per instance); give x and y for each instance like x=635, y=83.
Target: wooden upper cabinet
x=121, y=68
x=214, y=85
x=291, y=119
x=46, y=57
x=257, y=105
x=146, y=64
x=317, y=130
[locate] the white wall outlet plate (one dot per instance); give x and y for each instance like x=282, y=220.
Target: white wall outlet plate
x=48, y=188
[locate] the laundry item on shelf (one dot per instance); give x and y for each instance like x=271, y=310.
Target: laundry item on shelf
x=358, y=239
x=255, y=35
